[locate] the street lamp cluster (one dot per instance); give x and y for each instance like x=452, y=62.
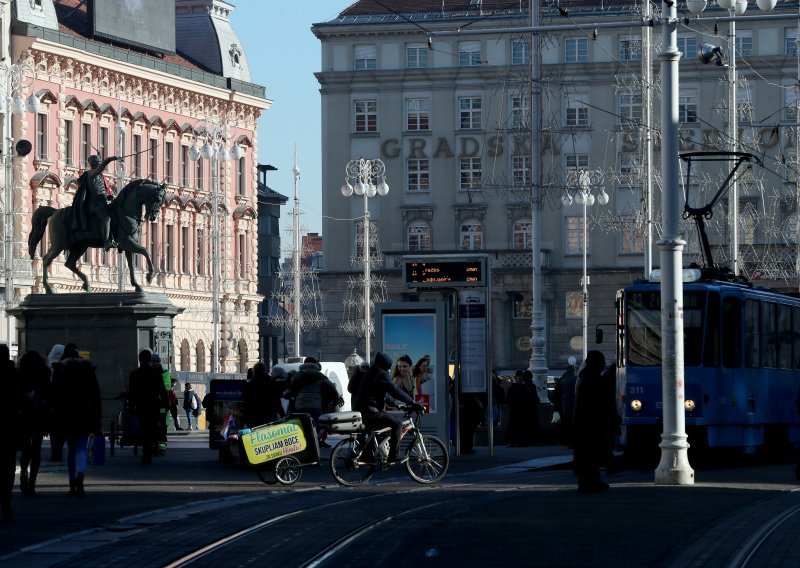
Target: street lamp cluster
x=214, y=133
x=369, y=180
x=15, y=80
x=585, y=197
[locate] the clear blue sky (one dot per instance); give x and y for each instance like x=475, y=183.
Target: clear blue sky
x=284, y=55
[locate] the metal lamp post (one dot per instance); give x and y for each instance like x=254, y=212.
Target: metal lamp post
x=585, y=197
x=369, y=177
x=735, y=8
x=14, y=80
x=216, y=132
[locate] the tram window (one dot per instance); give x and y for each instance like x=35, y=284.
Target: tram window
x=711, y=345
x=785, y=337
x=731, y=332
x=693, y=306
x=796, y=336
x=752, y=333
x=643, y=328
x=769, y=321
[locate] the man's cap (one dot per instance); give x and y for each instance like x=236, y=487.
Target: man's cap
x=155, y=358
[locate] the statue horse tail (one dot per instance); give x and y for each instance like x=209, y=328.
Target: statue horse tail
x=38, y=226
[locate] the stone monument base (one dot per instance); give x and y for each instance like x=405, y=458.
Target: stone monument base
x=109, y=328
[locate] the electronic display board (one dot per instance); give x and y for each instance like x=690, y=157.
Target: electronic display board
x=444, y=272
x=149, y=24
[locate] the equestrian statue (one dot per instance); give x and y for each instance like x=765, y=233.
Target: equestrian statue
x=97, y=219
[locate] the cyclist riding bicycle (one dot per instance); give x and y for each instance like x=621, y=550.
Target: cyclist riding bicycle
x=370, y=400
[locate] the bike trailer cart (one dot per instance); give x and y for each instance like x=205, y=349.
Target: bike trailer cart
x=279, y=450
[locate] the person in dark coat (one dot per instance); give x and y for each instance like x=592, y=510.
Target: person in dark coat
x=35, y=376
x=564, y=402
x=594, y=421
x=470, y=416
x=77, y=411
x=56, y=437
x=262, y=398
x=371, y=399
x=523, y=410
x=313, y=393
x=11, y=407
x=797, y=469
x=147, y=396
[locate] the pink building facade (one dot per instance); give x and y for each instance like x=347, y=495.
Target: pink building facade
x=152, y=111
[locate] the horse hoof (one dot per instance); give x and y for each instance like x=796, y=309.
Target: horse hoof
x=138, y=289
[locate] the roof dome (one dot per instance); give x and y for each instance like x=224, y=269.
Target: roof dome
x=203, y=33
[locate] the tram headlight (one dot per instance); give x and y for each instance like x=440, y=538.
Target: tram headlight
x=689, y=405
x=636, y=405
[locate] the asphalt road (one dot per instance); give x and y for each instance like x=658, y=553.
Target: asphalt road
x=518, y=508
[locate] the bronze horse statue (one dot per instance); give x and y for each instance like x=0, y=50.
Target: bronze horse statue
x=126, y=228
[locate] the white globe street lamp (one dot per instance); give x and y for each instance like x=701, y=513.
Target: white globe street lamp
x=585, y=197
x=370, y=180
x=214, y=135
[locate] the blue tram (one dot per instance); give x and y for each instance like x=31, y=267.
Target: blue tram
x=741, y=364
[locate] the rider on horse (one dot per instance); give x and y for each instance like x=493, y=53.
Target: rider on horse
x=91, y=199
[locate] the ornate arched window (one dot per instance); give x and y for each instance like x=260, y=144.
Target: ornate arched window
x=522, y=234
x=472, y=235
x=419, y=236
x=185, y=357
x=201, y=357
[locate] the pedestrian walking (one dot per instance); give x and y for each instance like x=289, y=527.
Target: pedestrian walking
x=147, y=398
x=564, y=402
x=797, y=468
x=173, y=404
x=12, y=397
x=313, y=393
x=523, y=410
x=594, y=421
x=164, y=412
x=470, y=415
x=262, y=397
x=192, y=405
x=56, y=438
x=76, y=411
x=35, y=377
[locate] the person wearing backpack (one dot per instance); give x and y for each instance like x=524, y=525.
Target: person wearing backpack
x=192, y=405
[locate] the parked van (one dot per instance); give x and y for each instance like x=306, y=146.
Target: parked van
x=336, y=373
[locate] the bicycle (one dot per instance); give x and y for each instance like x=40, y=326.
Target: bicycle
x=355, y=459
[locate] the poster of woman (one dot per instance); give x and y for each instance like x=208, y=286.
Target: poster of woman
x=414, y=335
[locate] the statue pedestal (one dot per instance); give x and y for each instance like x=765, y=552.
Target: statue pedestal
x=111, y=327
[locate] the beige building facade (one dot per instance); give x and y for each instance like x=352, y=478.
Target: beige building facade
x=450, y=118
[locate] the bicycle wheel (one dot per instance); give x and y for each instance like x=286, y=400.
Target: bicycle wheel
x=288, y=470
x=428, y=461
x=345, y=465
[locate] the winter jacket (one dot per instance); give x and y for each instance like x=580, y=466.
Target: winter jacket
x=76, y=397
x=374, y=387
x=146, y=391
x=187, y=399
x=313, y=390
x=262, y=400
